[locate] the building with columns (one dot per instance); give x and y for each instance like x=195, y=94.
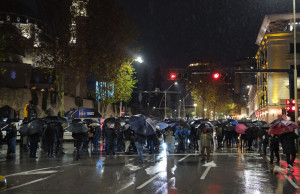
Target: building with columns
x=275, y=51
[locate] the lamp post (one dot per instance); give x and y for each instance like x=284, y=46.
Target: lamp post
x=165, y=95
x=195, y=105
x=295, y=64
x=179, y=109
x=139, y=60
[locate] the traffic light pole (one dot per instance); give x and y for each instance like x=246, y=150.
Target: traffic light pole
x=295, y=64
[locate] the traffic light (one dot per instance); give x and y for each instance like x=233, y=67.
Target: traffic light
x=173, y=76
x=290, y=108
x=216, y=75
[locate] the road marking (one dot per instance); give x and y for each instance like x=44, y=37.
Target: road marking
x=29, y=183
x=242, y=157
x=147, y=182
x=184, y=158
x=41, y=169
x=205, y=173
x=26, y=172
x=292, y=182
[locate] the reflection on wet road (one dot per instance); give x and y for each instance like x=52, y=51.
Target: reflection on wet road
x=229, y=171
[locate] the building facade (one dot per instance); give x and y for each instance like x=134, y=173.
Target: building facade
x=275, y=52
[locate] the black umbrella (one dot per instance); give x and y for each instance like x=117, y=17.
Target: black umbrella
x=113, y=123
x=138, y=124
x=182, y=123
x=2, y=124
x=24, y=129
x=266, y=126
x=36, y=126
x=55, y=119
x=90, y=121
x=77, y=128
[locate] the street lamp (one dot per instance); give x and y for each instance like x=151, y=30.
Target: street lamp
x=175, y=83
x=295, y=65
x=195, y=105
x=139, y=60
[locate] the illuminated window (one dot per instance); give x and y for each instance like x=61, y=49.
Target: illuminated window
x=104, y=90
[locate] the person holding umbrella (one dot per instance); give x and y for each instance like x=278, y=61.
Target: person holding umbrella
x=140, y=141
x=288, y=145
x=274, y=148
x=110, y=138
x=33, y=144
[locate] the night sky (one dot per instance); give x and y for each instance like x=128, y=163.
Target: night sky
x=175, y=33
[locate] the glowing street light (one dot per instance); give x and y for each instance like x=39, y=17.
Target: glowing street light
x=139, y=59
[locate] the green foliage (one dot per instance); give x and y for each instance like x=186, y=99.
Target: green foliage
x=44, y=101
x=212, y=94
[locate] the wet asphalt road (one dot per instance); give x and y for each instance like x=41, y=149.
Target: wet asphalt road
x=229, y=171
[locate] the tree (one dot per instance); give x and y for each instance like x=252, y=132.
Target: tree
x=105, y=41
x=53, y=52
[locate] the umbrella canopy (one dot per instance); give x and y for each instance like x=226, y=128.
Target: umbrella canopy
x=182, y=123
x=112, y=122
x=24, y=129
x=36, y=126
x=234, y=122
x=77, y=128
x=142, y=125
x=241, y=128
x=2, y=124
x=90, y=121
x=277, y=120
x=162, y=125
x=150, y=126
x=283, y=126
x=266, y=126
x=94, y=125
x=55, y=119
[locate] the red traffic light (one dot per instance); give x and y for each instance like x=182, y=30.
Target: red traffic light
x=173, y=76
x=287, y=102
x=216, y=76
x=293, y=101
x=293, y=108
x=287, y=108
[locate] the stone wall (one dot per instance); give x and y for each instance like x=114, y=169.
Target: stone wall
x=18, y=98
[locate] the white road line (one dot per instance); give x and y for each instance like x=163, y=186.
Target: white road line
x=292, y=182
x=205, y=173
x=26, y=172
x=184, y=158
x=31, y=182
x=242, y=157
x=147, y=182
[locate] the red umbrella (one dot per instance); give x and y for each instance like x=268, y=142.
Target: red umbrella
x=241, y=128
x=283, y=126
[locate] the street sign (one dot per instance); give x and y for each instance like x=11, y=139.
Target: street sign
x=284, y=116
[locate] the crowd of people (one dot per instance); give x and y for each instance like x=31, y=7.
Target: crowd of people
x=201, y=138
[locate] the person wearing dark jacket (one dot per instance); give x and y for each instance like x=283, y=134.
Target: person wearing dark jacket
x=110, y=138
x=11, y=138
x=59, y=137
x=78, y=140
x=140, y=141
x=289, y=149
x=264, y=136
x=33, y=141
x=274, y=148
x=127, y=138
x=49, y=137
x=250, y=136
